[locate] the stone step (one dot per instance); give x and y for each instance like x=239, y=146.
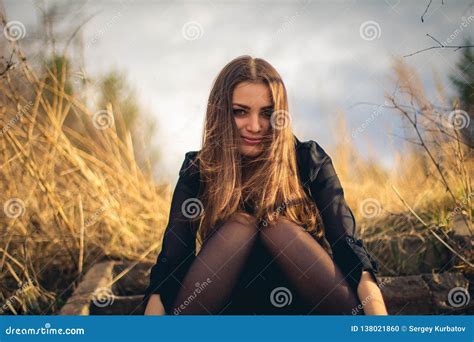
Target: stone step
x=422, y=294
x=428, y=294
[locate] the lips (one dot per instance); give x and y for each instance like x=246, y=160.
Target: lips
x=251, y=141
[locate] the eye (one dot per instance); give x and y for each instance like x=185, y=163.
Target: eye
x=267, y=112
x=238, y=111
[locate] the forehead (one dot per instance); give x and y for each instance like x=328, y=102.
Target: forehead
x=252, y=94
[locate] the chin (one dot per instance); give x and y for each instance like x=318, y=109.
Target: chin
x=251, y=152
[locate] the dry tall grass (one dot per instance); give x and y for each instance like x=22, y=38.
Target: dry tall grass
x=431, y=177
x=70, y=197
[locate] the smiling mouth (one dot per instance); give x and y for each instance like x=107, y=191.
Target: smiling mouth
x=251, y=141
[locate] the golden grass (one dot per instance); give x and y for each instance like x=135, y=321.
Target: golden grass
x=370, y=188
x=70, y=197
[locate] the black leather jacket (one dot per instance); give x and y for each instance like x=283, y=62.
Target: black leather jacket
x=321, y=183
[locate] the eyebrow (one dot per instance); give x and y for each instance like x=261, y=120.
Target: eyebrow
x=247, y=107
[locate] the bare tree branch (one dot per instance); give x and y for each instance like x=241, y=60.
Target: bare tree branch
x=426, y=10
x=9, y=65
x=441, y=46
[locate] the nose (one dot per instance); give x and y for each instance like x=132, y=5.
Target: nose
x=253, y=125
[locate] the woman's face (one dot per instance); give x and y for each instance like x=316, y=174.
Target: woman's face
x=252, y=108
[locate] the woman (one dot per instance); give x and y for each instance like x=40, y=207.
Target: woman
x=264, y=207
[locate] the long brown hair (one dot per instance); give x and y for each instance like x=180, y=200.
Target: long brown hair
x=272, y=185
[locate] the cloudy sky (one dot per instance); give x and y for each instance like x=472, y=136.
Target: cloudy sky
x=332, y=55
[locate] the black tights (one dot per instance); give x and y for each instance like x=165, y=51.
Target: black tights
x=213, y=275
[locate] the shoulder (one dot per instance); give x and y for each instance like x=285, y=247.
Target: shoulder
x=190, y=166
x=310, y=157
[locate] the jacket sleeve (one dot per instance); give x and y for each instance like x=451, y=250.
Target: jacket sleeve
x=179, y=244
x=349, y=252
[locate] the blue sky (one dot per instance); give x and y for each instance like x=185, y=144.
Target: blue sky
x=172, y=51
